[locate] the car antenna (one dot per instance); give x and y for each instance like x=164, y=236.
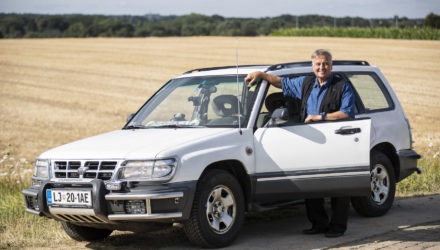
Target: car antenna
x=238, y=87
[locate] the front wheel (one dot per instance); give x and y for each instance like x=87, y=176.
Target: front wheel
x=218, y=210
x=80, y=233
x=383, y=188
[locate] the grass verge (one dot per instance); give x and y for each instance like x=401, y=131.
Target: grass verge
x=426, y=183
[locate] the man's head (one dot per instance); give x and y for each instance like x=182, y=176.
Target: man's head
x=322, y=64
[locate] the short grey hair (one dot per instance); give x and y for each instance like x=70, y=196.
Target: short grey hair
x=322, y=52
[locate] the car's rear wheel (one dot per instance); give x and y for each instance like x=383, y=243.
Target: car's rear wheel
x=383, y=187
x=218, y=210
x=80, y=233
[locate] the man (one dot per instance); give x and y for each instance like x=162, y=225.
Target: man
x=324, y=96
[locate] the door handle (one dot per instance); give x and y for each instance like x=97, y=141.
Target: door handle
x=347, y=131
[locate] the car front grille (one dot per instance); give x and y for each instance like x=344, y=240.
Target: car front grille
x=84, y=169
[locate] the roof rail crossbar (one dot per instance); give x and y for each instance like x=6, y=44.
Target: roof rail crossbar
x=309, y=63
x=223, y=67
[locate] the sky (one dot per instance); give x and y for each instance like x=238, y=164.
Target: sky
x=228, y=8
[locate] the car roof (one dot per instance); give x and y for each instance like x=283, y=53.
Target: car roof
x=225, y=70
x=279, y=69
x=306, y=67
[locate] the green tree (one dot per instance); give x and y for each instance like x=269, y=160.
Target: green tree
x=432, y=20
x=13, y=26
x=31, y=26
x=143, y=30
x=75, y=30
x=249, y=28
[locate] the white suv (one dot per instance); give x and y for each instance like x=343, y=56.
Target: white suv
x=205, y=148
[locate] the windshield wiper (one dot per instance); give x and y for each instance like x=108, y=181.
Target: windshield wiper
x=178, y=126
x=136, y=127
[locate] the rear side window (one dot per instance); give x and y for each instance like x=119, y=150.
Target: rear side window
x=373, y=94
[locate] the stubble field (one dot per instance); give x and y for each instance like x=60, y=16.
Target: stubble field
x=54, y=91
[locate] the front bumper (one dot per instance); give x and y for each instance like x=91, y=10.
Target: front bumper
x=163, y=203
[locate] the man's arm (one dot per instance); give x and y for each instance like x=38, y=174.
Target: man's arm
x=328, y=117
x=272, y=79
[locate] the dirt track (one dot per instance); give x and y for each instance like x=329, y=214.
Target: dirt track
x=412, y=223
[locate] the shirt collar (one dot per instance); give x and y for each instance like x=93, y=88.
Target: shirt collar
x=329, y=80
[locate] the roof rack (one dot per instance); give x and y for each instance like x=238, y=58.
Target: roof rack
x=223, y=67
x=309, y=63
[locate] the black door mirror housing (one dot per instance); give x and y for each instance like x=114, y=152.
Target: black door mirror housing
x=279, y=116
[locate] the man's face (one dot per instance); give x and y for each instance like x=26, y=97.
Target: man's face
x=322, y=67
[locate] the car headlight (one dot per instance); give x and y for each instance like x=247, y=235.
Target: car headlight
x=41, y=169
x=147, y=170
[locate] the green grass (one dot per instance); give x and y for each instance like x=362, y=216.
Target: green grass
x=20, y=229
x=425, y=183
x=389, y=33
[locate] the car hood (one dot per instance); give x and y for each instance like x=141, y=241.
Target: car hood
x=129, y=144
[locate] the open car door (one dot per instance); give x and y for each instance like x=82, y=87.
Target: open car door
x=322, y=159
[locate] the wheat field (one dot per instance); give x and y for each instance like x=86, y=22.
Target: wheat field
x=54, y=91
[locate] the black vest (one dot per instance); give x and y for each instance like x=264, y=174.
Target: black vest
x=332, y=97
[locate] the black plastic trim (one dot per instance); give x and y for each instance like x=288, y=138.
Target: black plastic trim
x=102, y=207
x=271, y=191
x=309, y=63
x=408, y=162
x=311, y=172
x=188, y=188
x=223, y=67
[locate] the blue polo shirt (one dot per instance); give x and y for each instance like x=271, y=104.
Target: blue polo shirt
x=293, y=87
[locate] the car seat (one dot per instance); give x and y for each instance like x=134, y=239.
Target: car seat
x=278, y=100
x=226, y=107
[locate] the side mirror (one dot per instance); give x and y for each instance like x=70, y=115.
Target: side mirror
x=129, y=117
x=279, y=116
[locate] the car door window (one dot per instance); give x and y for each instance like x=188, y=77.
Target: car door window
x=371, y=91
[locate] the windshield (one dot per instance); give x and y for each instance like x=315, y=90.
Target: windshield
x=208, y=101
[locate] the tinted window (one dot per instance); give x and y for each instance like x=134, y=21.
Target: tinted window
x=372, y=93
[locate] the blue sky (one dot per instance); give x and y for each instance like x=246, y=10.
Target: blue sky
x=228, y=8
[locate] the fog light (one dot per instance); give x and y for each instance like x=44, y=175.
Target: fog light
x=36, y=183
x=112, y=185
x=135, y=207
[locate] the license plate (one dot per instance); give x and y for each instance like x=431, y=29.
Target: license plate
x=69, y=198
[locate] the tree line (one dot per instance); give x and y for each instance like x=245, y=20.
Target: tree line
x=45, y=26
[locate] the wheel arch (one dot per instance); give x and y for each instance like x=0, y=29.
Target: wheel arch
x=237, y=169
x=390, y=151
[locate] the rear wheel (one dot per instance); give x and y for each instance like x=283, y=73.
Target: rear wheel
x=80, y=233
x=383, y=188
x=218, y=210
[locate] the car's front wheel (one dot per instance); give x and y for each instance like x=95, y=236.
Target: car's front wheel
x=383, y=187
x=218, y=210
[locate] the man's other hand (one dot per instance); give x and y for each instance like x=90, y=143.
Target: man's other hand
x=252, y=77
x=313, y=118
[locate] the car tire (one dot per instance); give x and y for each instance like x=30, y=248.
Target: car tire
x=80, y=233
x=218, y=210
x=383, y=187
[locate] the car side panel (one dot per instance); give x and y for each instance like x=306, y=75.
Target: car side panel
x=312, y=160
